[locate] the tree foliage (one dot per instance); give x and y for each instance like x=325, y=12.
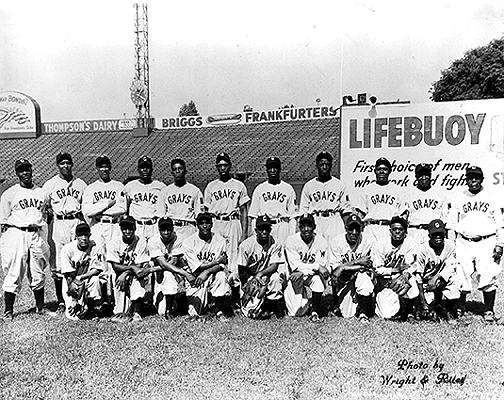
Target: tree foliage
x=477, y=75
x=188, y=110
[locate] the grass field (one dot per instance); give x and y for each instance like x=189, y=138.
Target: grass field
x=53, y=358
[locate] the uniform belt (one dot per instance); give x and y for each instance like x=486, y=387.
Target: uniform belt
x=324, y=213
x=70, y=216
x=108, y=220
x=279, y=219
x=227, y=217
x=179, y=222
x=379, y=222
x=26, y=228
x=148, y=222
x=476, y=238
x=419, y=226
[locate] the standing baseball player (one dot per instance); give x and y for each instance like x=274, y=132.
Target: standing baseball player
x=306, y=254
x=476, y=218
x=130, y=262
x=352, y=271
x=276, y=199
x=439, y=286
x=205, y=254
x=81, y=263
x=393, y=258
x=380, y=201
x=170, y=278
x=142, y=196
x=226, y=199
x=258, y=261
x=424, y=204
x=23, y=247
x=64, y=192
x=326, y=198
x=181, y=201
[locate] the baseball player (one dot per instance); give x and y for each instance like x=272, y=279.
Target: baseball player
x=170, y=278
x=476, y=218
x=226, y=199
x=380, y=201
x=326, y=198
x=142, y=196
x=393, y=259
x=276, y=199
x=130, y=262
x=439, y=286
x=24, y=249
x=424, y=205
x=352, y=271
x=181, y=201
x=306, y=254
x=64, y=192
x=205, y=254
x=81, y=263
x=258, y=261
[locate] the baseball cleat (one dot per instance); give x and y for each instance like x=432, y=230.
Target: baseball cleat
x=60, y=309
x=8, y=316
x=489, y=317
x=314, y=317
x=221, y=317
x=364, y=318
x=136, y=317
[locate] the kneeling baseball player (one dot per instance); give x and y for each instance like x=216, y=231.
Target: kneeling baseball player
x=81, y=262
x=259, y=258
x=437, y=277
x=352, y=271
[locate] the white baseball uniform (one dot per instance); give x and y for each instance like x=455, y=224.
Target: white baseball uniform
x=182, y=205
x=384, y=254
x=23, y=245
x=326, y=201
x=279, y=203
x=142, y=202
x=65, y=199
x=196, y=252
x=224, y=199
x=478, y=222
x=305, y=258
x=350, y=283
x=122, y=253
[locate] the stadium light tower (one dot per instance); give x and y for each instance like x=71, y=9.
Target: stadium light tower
x=140, y=91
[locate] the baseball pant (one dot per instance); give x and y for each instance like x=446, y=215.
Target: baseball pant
x=166, y=283
x=184, y=232
x=450, y=292
x=23, y=253
x=197, y=298
x=297, y=299
x=63, y=232
x=123, y=299
x=361, y=284
x=146, y=232
x=91, y=291
x=418, y=235
x=282, y=230
x=387, y=301
x=377, y=232
x=330, y=226
x=231, y=231
x=274, y=292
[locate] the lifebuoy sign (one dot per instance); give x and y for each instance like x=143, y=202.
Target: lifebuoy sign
x=19, y=116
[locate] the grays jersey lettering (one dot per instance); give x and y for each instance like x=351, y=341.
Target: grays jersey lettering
x=31, y=203
x=147, y=197
x=179, y=198
x=274, y=196
x=107, y=194
x=347, y=257
x=68, y=192
x=206, y=256
x=425, y=203
x=309, y=258
x=475, y=206
x=128, y=257
x=223, y=194
x=324, y=195
x=382, y=198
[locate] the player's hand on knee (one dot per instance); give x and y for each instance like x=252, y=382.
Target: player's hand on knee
x=201, y=279
x=497, y=254
x=121, y=281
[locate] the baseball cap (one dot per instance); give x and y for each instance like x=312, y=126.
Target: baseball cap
x=63, y=156
x=82, y=229
x=324, y=155
x=474, y=170
x=263, y=220
x=21, y=162
x=103, y=159
x=223, y=157
x=178, y=161
x=273, y=162
x=203, y=217
x=145, y=161
x=306, y=219
x=383, y=161
x=436, y=226
x=166, y=222
x=423, y=169
x=127, y=221
x=399, y=220
x=353, y=219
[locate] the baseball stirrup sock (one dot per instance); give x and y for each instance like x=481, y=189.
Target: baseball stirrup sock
x=9, y=301
x=58, y=286
x=39, y=298
x=489, y=300
x=316, y=301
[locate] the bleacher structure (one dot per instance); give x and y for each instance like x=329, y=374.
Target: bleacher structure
x=296, y=143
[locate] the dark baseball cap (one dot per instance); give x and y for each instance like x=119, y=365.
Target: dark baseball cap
x=474, y=170
x=307, y=219
x=436, y=226
x=273, y=162
x=204, y=217
x=423, y=169
x=354, y=219
x=223, y=157
x=145, y=161
x=103, y=159
x=178, y=161
x=21, y=163
x=82, y=229
x=383, y=161
x=165, y=222
x=127, y=221
x=324, y=155
x=64, y=156
x=399, y=220
x=263, y=220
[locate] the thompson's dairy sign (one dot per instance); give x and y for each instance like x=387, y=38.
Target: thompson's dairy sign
x=19, y=116
x=89, y=126
x=449, y=135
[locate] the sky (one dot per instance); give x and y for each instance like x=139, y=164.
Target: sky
x=77, y=59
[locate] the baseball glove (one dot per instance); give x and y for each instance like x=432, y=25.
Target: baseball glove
x=435, y=282
x=400, y=284
x=76, y=289
x=254, y=288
